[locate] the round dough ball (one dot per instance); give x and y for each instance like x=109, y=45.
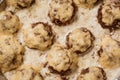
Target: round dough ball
x=39, y=36
x=109, y=53
x=60, y=59
x=85, y=3
x=11, y=53
x=61, y=11
x=109, y=14
x=20, y=3
x=26, y=73
x=80, y=40
x=92, y=73
x=9, y=22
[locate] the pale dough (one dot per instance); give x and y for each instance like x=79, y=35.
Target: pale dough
x=39, y=36
x=61, y=11
x=26, y=73
x=9, y=22
x=11, y=53
x=80, y=40
x=60, y=58
x=109, y=53
x=110, y=11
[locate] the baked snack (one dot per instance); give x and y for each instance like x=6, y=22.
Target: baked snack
x=2, y=77
x=60, y=60
x=20, y=3
x=9, y=22
x=80, y=40
x=92, y=73
x=11, y=53
x=109, y=53
x=39, y=36
x=61, y=11
x=2, y=5
x=26, y=73
x=109, y=14
x=85, y=3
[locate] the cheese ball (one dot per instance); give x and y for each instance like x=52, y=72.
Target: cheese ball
x=109, y=53
x=26, y=73
x=61, y=11
x=11, y=53
x=20, y=3
x=109, y=14
x=92, y=73
x=85, y=3
x=39, y=36
x=60, y=59
x=80, y=40
x=9, y=22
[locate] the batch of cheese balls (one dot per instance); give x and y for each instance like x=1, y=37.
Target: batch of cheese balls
x=61, y=59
